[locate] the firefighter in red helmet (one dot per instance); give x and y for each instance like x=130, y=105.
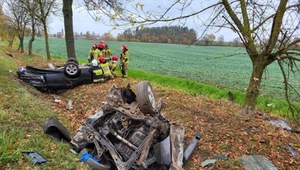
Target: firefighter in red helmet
x=106, y=52
x=105, y=66
x=100, y=48
x=124, y=60
x=94, y=53
x=114, y=65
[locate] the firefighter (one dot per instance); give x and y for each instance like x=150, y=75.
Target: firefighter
x=124, y=60
x=114, y=65
x=105, y=66
x=106, y=52
x=97, y=72
x=94, y=53
x=100, y=48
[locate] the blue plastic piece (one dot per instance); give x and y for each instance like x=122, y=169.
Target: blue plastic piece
x=87, y=156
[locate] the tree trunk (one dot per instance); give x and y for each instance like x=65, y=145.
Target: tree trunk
x=21, y=46
x=254, y=85
x=32, y=36
x=30, y=44
x=10, y=43
x=68, y=21
x=46, y=41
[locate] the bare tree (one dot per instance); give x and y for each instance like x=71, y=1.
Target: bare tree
x=221, y=40
x=32, y=10
x=19, y=19
x=45, y=9
x=252, y=21
x=68, y=22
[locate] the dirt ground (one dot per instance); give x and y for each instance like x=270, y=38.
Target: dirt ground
x=223, y=130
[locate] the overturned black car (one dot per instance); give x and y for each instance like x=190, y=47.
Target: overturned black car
x=60, y=79
x=130, y=133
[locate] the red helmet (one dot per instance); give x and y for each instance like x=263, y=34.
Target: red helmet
x=101, y=59
x=101, y=45
x=94, y=45
x=102, y=42
x=124, y=47
x=115, y=58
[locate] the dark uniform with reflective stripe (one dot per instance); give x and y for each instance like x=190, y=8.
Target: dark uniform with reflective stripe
x=97, y=74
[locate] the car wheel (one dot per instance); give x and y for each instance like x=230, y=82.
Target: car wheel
x=74, y=60
x=145, y=97
x=103, y=164
x=71, y=70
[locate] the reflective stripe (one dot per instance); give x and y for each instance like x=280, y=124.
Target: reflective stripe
x=105, y=67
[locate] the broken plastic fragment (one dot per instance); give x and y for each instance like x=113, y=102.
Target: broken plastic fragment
x=35, y=157
x=221, y=157
x=208, y=162
x=257, y=162
x=280, y=123
x=293, y=152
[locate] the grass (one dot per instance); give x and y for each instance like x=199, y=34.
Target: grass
x=23, y=112
x=279, y=107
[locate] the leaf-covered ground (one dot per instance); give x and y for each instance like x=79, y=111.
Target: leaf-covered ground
x=223, y=130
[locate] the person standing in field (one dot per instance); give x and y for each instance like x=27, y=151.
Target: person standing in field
x=124, y=60
x=94, y=53
x=105, y=66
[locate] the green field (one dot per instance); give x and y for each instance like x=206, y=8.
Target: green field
x=228, y=67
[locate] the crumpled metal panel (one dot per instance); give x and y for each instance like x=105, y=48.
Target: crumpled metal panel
x=162, y=151
x=177, y=139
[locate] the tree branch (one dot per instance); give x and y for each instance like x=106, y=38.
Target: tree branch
x=177, y=18
x=260, y=24
x=277, y=22
x=286, y=84
x=288, y=56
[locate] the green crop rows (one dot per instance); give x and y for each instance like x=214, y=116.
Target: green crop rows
x=222, y=66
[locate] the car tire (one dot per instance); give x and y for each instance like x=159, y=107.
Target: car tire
x=106, y=165
x=74, y=60
x=71, y=70
x=145, y=98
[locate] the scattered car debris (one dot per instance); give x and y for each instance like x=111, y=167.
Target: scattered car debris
x=35, y=157
x=257, y=162
x=54, y=128
x=191, y=147
x=293, y=152
x=208, y=162
x=213, y=159
x=280, y=123
x=128, y=132
x=221, y=157
x=69, y=105
x=56, y=99
x=284, y=125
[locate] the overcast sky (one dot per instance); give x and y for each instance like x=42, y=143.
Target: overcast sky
x=83, y=22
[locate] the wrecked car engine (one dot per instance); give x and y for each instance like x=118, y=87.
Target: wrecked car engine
x=129, y=132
